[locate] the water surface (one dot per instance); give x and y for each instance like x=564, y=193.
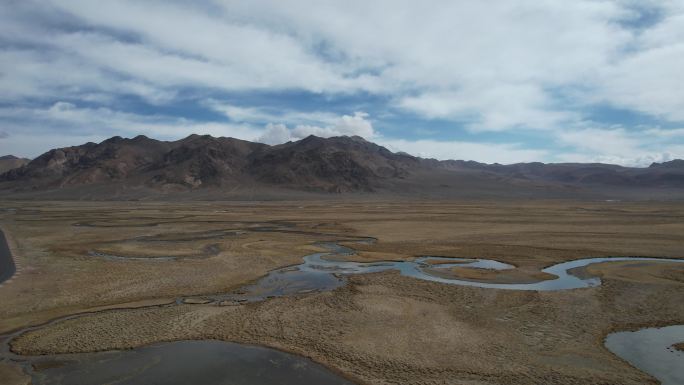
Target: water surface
x=185, y=362
x=651, y=351
x=214, y=362
x=322, y=272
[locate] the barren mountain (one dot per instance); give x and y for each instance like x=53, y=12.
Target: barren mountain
x=658, y=175
x=339, y=164
x=9, y=162
x=214, y=168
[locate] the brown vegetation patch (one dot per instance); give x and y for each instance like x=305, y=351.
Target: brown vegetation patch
x=493, y=276
x=382, y=328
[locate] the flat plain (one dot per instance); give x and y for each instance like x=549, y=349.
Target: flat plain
x=125, y=264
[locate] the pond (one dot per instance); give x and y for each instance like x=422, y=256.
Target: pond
x=184, y=362
x=651, y=351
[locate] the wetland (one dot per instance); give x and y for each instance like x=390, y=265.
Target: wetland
x=469, y=292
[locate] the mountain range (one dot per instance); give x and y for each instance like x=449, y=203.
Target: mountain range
x=206, y=167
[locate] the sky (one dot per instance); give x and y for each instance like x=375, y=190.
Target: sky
x=502, y=81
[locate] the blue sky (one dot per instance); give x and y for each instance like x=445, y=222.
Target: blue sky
x=495, y=81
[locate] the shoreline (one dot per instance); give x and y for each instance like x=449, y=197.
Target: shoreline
x=7, y=265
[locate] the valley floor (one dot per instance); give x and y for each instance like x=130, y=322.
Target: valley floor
x=122, y=261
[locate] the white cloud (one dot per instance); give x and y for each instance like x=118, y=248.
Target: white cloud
x=71, y=124
x=601, y=140
x=620, y=146
x=662, y=133
x=640, y=160
x=64, y=124
x=275, y=134
x=349, y=125
x=483, y=152
x=181, y=44
x=61, y=107
x=650, y=81
x=24, y=145
x=492, y=66
x=32, y=74
x=494, y=61
x=495, y=108
x=356, y=124
x=303, y=124
x=261, y=115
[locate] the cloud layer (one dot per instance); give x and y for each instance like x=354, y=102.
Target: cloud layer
x=553, y=81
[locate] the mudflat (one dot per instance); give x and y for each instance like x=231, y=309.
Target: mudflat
x=122, y=261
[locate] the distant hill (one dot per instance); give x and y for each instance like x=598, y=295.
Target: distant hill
x=205, y=167
x=9, y=162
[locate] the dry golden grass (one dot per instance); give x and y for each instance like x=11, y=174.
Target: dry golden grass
x=381, y=328
x=494, y=276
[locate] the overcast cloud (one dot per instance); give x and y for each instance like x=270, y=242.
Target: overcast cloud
x=495, y=81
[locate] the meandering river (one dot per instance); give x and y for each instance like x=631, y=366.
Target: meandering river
x=321, y=272
x=211, y=362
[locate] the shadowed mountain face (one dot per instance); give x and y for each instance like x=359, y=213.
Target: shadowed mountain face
x=211, y=167
x=339, y=164
x=313, y=164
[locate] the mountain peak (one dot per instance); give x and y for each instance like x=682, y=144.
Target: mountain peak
x=193, y=137
x=113, y=139
x=140, y=138
x=675, y=163
x=313, y=164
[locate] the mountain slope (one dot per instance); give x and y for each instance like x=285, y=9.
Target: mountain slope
x=9, y=162
x=669, y=174
x=215, y=168
x=203, y=162
x=337, y=164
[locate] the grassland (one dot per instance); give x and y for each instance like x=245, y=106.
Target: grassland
x=123, y=261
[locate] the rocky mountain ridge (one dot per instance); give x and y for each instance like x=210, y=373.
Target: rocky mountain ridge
x=225, y=166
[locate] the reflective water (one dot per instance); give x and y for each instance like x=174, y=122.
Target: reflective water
x=321, y=272
x=185, y=362
x=651, y=351
x=213, y=362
